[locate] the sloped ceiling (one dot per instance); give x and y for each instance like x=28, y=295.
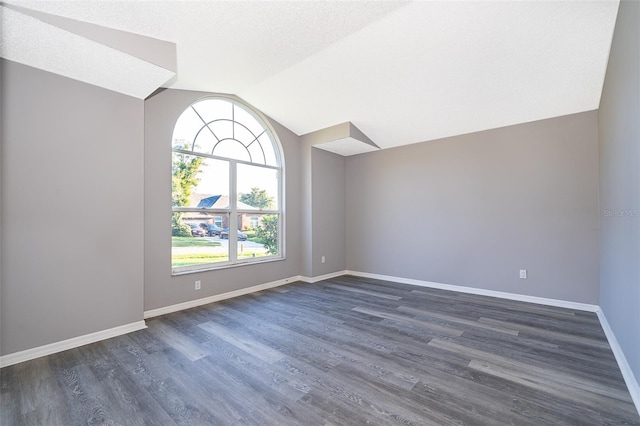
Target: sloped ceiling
x=123, y=62
x=402, y=72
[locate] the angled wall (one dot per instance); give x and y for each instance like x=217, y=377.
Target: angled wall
x=619, y=128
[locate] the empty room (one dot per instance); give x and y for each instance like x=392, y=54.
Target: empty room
x=319, y=212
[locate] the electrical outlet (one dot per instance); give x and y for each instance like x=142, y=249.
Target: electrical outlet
x=198, y=285
x=323, y=259
x=523, y=274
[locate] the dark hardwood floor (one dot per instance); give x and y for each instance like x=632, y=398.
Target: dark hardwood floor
x=345, y=351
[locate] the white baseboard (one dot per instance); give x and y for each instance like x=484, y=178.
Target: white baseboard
x=231, y=294
x=625, y=368
x=627, y=373
x=217, y=297
x=482, y=292
x=322, y=277
x=74, y=342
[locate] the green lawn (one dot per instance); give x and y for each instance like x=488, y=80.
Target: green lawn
x=189, y=259
x=192, y=242
x=197, y=259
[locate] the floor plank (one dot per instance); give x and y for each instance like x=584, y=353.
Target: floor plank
x=347, y=350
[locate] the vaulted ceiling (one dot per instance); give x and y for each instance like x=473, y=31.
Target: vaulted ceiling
x=401, y=72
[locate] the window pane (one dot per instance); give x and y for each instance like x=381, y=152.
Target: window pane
x=223, y=129
x=186, y=128
x=211, y=223
x=199, y=182
x=210, y=121
x=232, y=149
x=258, y=241
x=257, y=155
x=269, y=152
x=196, y=240
x=254, y=222
x=248, y=120
x=204, y=141
x=248, y=140
x=214, y=109
x=257, y=188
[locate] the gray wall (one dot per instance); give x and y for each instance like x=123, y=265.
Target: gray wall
x=2, y=136
x=619, y=125
x=72, y=208
x=328, y=207
x=161, y=289
x=472, y=210
x=323, y=204
x=306, y=208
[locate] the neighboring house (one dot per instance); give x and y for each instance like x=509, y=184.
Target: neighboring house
x=207, y=201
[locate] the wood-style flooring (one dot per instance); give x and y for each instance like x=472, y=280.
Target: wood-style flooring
x=345, y=351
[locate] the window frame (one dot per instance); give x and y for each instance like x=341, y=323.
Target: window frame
x=232, y=210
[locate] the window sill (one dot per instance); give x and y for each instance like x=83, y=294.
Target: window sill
x=209, y=268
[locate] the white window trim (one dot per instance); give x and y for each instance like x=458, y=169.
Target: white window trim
x=233, y=211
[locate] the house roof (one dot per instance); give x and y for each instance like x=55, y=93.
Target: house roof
x=208, y=201
x=401, y=72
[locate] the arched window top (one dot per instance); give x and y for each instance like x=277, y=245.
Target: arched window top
x=225, y=128
x=227, y=187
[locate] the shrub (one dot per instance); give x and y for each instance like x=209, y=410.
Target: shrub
x=268, y=233
x=179, y=229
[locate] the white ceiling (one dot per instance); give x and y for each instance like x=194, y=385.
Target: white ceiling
x=402, y=72
x=37, y=43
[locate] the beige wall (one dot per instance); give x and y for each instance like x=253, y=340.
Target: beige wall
x=162, y=289
x=619, y=124
x=473, y=210
x=72, y=208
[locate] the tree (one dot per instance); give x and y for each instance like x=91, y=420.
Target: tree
x=268, y=233
x=183, y=180
x=257, y=198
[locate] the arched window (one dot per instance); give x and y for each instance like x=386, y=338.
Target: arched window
x=227, y=177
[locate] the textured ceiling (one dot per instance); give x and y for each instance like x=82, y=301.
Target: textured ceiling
x=39, y=44
x=401, y=72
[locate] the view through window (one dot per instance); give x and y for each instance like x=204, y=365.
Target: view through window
x=226, y=187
